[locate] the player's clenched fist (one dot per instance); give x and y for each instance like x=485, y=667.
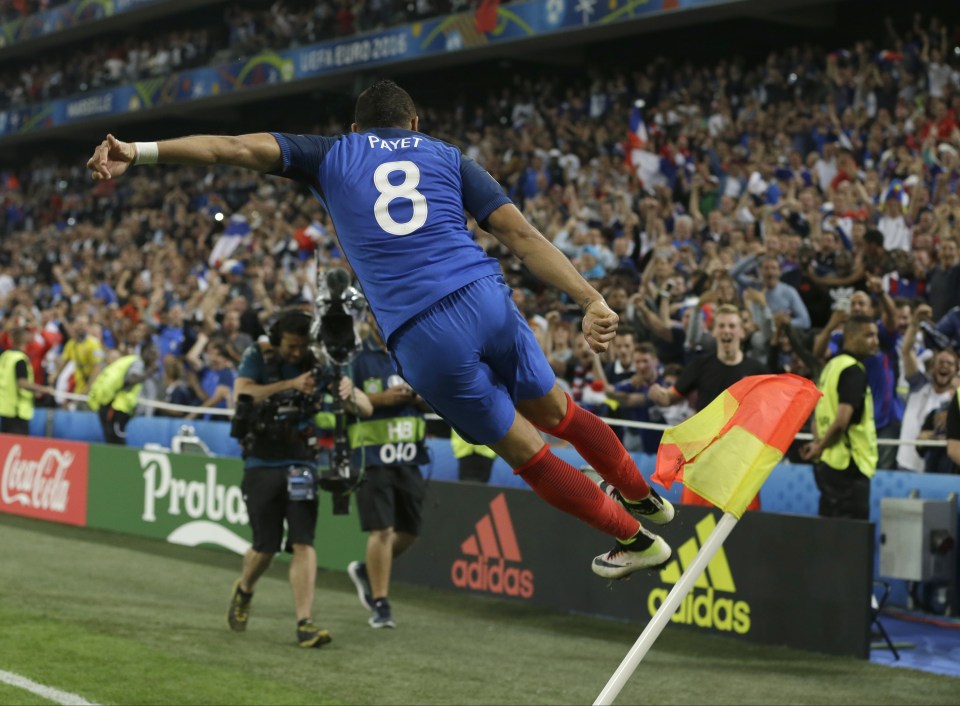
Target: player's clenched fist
x=599, y=325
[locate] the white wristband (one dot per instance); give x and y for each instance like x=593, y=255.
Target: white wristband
x=145, y=153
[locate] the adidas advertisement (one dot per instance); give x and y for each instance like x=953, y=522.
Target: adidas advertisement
x=508, y=543
x=713, y=602
x=492, y=560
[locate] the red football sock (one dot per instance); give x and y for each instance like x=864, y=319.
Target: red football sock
x=601, y=448
x=567, y=489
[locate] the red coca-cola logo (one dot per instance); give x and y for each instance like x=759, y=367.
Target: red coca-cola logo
x=44, y=479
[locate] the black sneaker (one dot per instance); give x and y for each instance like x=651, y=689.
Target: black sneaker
x=381, y=617
x=239, y=611
x=647, y=551
x=357, y=570
x=309, y=635
x=652, y=507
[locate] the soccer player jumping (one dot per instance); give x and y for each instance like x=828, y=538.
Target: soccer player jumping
x=397, y=200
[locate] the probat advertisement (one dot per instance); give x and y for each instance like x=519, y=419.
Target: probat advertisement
x=195, y=501
x=189, y=500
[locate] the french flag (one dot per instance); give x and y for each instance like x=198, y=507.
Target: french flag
x=646, y=164
x=637, y=138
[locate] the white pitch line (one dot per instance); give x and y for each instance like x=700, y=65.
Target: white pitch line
x=47, y=692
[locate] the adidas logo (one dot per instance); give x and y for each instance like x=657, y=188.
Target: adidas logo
x=493, y=544
x=705, y=606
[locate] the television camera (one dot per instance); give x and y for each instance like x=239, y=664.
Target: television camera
x=338, y=308
x=287, y=416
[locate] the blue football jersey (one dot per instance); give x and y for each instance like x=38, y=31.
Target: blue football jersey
x=397, y=201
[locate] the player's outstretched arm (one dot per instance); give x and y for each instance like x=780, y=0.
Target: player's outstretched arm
x=550, y=265
x=258, y=151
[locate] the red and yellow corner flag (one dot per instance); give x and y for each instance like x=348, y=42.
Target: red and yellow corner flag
x=726, y=450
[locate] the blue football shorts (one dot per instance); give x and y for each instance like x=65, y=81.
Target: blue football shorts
x=472, y=356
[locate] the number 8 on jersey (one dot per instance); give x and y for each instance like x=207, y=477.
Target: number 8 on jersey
x=407, y=189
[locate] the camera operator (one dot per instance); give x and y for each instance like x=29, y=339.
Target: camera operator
x=277, y=399
x=389, y=447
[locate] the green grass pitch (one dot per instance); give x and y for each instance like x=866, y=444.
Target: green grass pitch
x=118, y=620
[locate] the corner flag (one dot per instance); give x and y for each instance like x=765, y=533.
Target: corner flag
x=726, y=450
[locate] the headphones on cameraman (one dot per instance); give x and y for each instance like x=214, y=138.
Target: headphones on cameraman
x=285, y=322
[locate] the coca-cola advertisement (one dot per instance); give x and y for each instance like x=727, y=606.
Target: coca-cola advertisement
x=44, y=478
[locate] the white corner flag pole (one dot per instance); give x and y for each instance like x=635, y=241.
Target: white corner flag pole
x=666, y=610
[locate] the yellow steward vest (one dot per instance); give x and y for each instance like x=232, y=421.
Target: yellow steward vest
x=463, y=448
x=107, y=388
x=859, y=441
x=15, y=402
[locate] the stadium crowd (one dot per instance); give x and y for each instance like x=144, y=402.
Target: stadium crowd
x=814, y=186
x=241, y=31
x=15, y=9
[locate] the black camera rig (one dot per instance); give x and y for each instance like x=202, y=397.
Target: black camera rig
x=334, y=341
x=338, y=308
x=281, y=417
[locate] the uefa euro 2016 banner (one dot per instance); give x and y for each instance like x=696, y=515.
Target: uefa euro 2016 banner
x=434, y=37
x=71, y=14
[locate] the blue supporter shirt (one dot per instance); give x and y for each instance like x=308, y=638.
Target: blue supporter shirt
x=170, y=341
x=397, y=201
x=210, y=379
x=882, y=372
x=645, y=413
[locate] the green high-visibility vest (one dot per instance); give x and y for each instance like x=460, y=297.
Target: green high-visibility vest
x=859, y=441
x=389, y=441
x=15, y=402
x=107, y=388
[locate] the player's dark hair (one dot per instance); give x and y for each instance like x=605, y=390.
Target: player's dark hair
x=384, y=104
x=292, y=321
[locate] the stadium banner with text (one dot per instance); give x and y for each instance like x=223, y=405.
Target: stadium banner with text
x=194, y=501
x=434, y=37
x=70, y=14
x=763, y=585
x=44, y=478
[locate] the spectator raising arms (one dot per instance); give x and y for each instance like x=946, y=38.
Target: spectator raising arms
x=814, y=161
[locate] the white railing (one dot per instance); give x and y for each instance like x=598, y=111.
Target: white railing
x=221, y=412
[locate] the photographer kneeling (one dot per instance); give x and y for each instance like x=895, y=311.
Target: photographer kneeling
x=277, y=398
